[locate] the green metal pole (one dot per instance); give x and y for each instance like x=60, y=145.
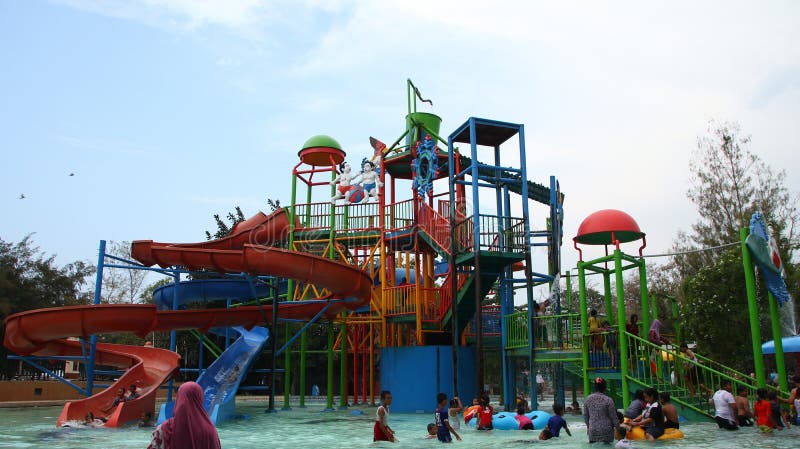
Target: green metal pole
x=775, y=318
x=645, y=297
x=570, y=310
x=607, y=295
x=623, y=342
x=752, y=308
x=329, y=403
x=569, y=292
x=303, y=370
x=676, y=320
x=287, y=378
x=343, y=369
x=584, y=327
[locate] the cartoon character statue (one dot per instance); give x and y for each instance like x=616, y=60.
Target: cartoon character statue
x=369, y=180
x=344, y=179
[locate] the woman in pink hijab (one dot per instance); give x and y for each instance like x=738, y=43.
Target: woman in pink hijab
x=655, y=336
x=190, y=427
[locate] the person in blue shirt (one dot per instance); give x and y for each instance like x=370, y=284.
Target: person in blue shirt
x=442, y=420
x=555, y=424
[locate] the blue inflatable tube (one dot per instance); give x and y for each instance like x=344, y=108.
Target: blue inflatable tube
x=506, y=421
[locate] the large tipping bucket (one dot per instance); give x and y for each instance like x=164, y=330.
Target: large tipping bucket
x=417, y=123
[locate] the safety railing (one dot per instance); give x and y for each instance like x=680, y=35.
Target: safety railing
x=492, y=228
x=443, y=207
x=551, y=332
x=400, y=215
x=399, y=300
x=516, y=330
x=603, y=348
x=561, y=332
x=359, y=216
x=437, y=300
x=690, y=383
x=313, y=216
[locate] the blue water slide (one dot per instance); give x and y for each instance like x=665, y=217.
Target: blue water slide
x=222, y=379
x=211, y=290
x=440, y=268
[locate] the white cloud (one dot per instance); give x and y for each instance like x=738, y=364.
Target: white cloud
x=612, y=94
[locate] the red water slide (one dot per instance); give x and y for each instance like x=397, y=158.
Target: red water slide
x=43, y=332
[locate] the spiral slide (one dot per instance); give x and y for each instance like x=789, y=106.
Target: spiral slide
x=43, y=332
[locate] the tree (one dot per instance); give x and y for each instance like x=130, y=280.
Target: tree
x=29, y=279
x=224, y=229
x=121, y=285
x=729, y=183
x=714, y=312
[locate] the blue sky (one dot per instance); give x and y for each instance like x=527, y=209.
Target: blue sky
x=170, y=111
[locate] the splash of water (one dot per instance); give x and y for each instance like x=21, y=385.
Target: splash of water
x=788, y=322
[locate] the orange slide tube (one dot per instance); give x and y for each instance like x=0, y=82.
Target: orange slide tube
x=43, y=332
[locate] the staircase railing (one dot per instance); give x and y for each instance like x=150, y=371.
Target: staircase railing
x=436, y=226
x=689, y=383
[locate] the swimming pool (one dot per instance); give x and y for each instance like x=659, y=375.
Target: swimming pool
x=313, y=427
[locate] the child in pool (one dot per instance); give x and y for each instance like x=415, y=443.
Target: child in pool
x=442, y=418
x=525, y=423
x=455, y=408
x=777, y=415
x=485, y=414
x=381, y=431
x=763, y=411
x=146, y=420
x=431, y=431
x=554, y=424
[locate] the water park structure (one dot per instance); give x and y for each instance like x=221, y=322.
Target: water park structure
x=411, y=264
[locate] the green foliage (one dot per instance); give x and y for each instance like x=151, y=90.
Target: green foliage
x=714, y=312
x=224, y=229
x=29, y=280
x=729, y=183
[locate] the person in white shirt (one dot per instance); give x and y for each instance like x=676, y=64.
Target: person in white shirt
x=725, y=406
x=540, y=385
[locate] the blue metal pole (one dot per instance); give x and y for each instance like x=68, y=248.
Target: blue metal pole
x=506, y=308
x=555, y=251
x=98, y=291
x=451, y=260
x=173, y=343
x=476, y=249
x=528, y=268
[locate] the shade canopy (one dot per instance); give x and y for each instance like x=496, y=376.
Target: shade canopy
x=598, y=228
x=790, y=344
x=321, y=150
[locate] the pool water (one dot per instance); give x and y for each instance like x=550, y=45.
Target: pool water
x=318, y=429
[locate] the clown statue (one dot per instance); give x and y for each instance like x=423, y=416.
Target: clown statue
x=344, y=178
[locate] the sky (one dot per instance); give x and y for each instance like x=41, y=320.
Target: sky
x=169, y=111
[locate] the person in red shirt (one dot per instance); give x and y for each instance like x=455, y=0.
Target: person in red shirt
x=763, y=410
x=485, y=415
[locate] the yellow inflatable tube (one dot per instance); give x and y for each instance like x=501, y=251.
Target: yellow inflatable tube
x=637, y=433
